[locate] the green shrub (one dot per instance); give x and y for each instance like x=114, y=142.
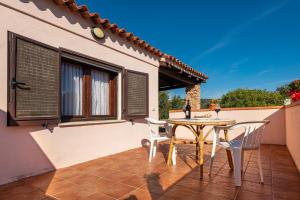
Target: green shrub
x=251, y=98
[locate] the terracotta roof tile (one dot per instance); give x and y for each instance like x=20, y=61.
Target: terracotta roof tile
x=105, y=23
x=114, y=28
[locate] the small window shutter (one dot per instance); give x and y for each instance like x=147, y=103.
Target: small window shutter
x=33, y=82
x=136, y=95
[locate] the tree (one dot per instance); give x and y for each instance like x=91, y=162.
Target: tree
x=164, y=105
x=205, y=103
x=251, y=98
x=176, y=102
x=284, y=90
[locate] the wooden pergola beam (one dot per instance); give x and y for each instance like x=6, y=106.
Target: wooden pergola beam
x=171, y=87
x=176, y=76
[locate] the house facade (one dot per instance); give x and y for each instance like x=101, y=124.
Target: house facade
x=67, y=94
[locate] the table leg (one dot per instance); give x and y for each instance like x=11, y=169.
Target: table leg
x=197, y=150
x=201, y=144
x=229, y=157
x=171, y=148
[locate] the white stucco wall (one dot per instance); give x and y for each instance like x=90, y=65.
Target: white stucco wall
x=25, y=151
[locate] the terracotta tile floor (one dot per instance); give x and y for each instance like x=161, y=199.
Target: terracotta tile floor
x=129, y=175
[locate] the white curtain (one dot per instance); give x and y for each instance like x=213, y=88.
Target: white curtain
x=71, y=89
x=100, y=93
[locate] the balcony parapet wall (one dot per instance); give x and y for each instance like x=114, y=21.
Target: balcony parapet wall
x=284, y=127
x=275, y=132
x=292, y=123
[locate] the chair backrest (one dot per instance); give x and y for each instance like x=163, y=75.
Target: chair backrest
x=253, y=131
x=154, y=124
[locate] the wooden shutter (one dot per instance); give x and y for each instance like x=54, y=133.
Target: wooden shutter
x=33, y=82
x=136, y=95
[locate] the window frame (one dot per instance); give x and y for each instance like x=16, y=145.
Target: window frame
x=129, y=116
x=88, y=64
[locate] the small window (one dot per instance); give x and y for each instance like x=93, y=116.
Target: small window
x=87, y=92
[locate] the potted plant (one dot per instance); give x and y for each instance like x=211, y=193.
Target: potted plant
x=213, y=104
x=295, y=96
x=294, y=90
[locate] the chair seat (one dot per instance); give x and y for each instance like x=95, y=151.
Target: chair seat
x=233, y=144
x=158, y=137
x=236, y=144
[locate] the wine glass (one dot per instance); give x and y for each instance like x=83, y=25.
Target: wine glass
x=217, y=109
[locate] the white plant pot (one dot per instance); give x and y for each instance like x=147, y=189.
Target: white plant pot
x=287, y=101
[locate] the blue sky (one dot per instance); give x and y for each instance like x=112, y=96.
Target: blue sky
x=238, y=44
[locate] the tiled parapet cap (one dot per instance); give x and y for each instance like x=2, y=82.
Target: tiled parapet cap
x=297, y=103
x=240, y=108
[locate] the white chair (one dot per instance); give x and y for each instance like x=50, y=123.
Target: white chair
x=156, y=137
x=249, y=139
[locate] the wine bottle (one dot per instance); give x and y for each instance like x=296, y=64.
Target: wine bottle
x=188, y=110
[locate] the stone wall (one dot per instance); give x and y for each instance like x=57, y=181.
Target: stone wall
x=193, y=94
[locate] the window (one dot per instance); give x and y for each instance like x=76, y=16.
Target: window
x=87, y=92
x=136, y=95
x=48, y=85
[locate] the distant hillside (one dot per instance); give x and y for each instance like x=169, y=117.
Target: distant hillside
x=205, y=103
